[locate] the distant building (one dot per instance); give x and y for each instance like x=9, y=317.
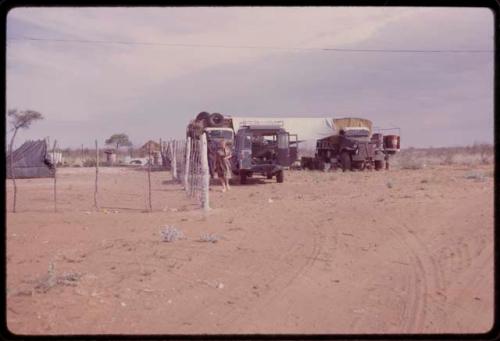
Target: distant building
x=155, y=149
x=110, y=156
x=144, y=150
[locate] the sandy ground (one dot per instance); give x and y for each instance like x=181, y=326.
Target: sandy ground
x=399, y=251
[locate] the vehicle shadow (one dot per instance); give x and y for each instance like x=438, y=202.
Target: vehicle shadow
x=250, y=181
x=171, y=182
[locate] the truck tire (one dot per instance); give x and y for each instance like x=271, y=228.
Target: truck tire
x=202, y=116
x=216, y=120
x=379, y=164
x=269, y=176
x=243, y=177
x=280, y=176
x=321, y=165
x=345, y=161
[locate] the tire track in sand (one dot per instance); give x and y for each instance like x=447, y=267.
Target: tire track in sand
x=414, y=311
x=270, y=289
x=275, y=287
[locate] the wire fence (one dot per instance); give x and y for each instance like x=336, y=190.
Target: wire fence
x=189, y=166
x=187, y=160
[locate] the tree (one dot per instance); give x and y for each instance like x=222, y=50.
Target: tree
x=119, y=140
x=19, y=120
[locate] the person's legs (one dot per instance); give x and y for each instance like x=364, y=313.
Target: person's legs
x=220, y=174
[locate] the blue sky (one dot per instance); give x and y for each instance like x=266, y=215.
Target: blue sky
x=90, y=91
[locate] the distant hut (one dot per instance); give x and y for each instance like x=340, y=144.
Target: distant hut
x=110, y=156
x=31, y=160
x=155, y=151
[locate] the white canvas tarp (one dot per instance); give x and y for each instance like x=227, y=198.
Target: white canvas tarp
x=308, y=129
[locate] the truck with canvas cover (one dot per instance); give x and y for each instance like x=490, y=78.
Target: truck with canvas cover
x=354, y=146
x=216, y=127
x=261, y=149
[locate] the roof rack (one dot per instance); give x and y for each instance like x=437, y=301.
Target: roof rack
x=262, y=123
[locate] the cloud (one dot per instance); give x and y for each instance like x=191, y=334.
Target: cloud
x=152, y=91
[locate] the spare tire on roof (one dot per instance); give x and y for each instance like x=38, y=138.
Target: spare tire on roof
x=216, y=120
x=202, y=116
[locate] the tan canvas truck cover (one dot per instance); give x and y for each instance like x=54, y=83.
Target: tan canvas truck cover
x=341, y=123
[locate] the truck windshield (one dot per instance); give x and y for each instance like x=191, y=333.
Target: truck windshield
x=220, y=134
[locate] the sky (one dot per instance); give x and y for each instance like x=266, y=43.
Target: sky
x=250, y=61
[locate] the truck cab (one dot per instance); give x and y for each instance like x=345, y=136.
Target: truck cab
x=358, y=150
x=220, y=133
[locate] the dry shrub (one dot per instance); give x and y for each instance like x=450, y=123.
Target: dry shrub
x=413, y=164
x=51, y=279
x=408, y=159
x=209, y=238
x=417, y=158
x=170, y=234
x=475, y=176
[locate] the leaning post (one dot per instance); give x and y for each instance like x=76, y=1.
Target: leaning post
x=150, y=206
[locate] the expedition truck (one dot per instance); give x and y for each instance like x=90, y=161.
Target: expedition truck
x=353, y=147
x=261, y=149
x=216, y=127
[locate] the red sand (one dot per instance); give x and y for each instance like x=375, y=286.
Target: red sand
x=400, y=251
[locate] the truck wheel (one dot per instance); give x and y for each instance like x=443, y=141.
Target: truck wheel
x=379, y=164
x=345, y=161
x=269, y=176
x=215, y=120
x=202, y=116
x=243, y=177
x=280, y=176
x=321, y=165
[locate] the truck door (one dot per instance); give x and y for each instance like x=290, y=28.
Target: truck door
x=244, y=150
x=284, y=149
x=294, y=148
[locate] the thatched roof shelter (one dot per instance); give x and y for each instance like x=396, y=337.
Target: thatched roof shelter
x=155, y=147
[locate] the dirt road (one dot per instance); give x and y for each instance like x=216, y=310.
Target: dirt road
x=400, y=251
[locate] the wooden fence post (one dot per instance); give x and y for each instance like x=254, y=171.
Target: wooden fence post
x=205, y=173
x=96, y=175
x=191, y=167
x=12, y=173
x=149, y=178
x=174, y=161
x=186, y=165
x=54, y=161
